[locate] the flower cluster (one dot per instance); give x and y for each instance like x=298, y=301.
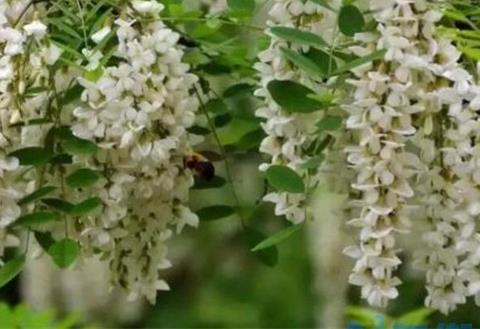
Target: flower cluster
x=135, y=111
x=289, y=135
x=415, y=117
x=24, y=59
x=138, y=112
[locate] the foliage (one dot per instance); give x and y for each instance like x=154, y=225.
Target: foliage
x=22, y=316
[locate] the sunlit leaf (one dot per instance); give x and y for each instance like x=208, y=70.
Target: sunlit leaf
x=78, y=146
x=82, y=178
x=11, y=269
x=64, y=252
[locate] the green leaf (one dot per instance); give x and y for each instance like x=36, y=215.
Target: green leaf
x=32, y=156
x=302, y=62
x=75, y=145
x=215, y=212
x=64, y=252
x=268, y=256
x=293, y=97
x=242, y=6
x=94, y=75
x=350, y=20
x=251, y=140
x=41, y=192
x=330, y=123
x=62, y=159
x=456, y=15
x=202, y=184
x=72, y=94
x=415, y=317
x=58, y=204
x=301, y=37
x=85, y=207
x=44, y=239
x=367, y=317
x=11, y=269
x=82, y=178
x=37, y=218
x=277, y=238
x=473, y=53
x=285, y=179
x=237, y=89
x=222, y=120
x=314, y=162
x=197, y=130
x=216, y=106
x=325, y=63
x=378, y=54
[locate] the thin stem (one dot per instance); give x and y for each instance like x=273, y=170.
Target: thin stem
x=24, y=11
x=224, y=155
x=80, y=9
x=27, y=242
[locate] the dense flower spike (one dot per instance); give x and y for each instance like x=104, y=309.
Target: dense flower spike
x=408, y=100
x=289, y=135
x=450, y=187
x=391, y=101
x=138, y=112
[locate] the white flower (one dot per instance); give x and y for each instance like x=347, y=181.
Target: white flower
x=147, y=7
x=98, y=36
x=147, y=186
x=36, y=28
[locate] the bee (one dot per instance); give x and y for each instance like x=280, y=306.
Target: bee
x=200, y=165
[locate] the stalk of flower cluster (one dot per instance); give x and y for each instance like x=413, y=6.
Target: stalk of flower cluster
x=289, y=135
x=24, y=59
x=138, y=112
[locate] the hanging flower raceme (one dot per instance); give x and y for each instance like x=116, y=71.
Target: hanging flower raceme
x=450, y=187
x=390, y=104
x=289, y=135
x=138, y=111
x=409, y=99
x=25, y=56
